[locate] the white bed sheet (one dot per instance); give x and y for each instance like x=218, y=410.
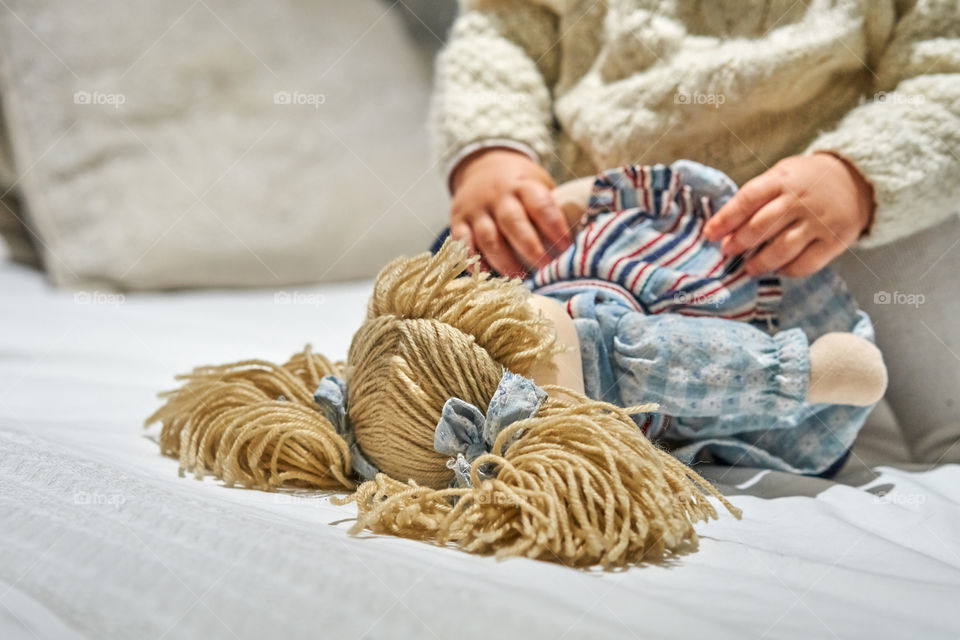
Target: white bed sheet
x=100, y=537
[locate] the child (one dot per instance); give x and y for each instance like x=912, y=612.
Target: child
x=839, y=119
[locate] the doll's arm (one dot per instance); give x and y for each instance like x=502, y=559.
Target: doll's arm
x=712, y=367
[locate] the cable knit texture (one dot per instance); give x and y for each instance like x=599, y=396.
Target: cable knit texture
x=732, y=84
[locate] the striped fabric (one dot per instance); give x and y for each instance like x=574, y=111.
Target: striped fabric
x=642, y=242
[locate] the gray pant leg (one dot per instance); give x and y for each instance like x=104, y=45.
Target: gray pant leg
x=911, y=289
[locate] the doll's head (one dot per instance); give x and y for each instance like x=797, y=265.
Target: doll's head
x=428, y=337
x=575, y=481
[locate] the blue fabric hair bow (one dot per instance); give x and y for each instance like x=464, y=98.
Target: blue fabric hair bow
x=331, y=395
x=462, y=432
x=465, y=433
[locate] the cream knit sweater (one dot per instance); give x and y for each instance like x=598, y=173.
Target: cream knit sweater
x=584, y=85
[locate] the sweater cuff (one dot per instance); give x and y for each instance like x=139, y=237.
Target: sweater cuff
x=882, y=161
x=489, y=143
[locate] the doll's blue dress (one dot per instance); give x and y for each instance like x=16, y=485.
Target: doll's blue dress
x=663, y=317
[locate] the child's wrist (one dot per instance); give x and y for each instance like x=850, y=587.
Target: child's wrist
x=461, y=169
x=866, y=195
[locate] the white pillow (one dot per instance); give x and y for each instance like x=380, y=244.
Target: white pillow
x=169, y=143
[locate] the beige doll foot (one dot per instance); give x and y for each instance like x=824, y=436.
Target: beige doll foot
x=846, y=369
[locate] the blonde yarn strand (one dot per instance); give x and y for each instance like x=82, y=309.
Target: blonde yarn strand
x=255, y=424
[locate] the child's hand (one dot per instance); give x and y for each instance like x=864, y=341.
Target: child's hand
x=801, y=214
x=501, y=200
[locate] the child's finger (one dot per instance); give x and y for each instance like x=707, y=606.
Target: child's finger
x=762, y=226
x=546, y=215
x=742, y=206
x=815, y=257
x=517, y=228
x=783, y=249
x=494, y=247
x=462, y=232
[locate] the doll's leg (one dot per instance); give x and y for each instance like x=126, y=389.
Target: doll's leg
x=814, y=440
x=716, y=367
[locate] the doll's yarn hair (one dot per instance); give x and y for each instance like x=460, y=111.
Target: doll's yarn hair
x=580, y=485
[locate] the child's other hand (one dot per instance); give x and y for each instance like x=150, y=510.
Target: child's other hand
x=801, y=214
x=503, y=208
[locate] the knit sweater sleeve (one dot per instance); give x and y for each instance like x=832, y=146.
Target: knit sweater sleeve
x=493, y=80
x=906, y=140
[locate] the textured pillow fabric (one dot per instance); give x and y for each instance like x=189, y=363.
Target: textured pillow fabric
x=170, y=143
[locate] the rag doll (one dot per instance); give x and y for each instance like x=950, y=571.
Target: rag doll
x=470, y=411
